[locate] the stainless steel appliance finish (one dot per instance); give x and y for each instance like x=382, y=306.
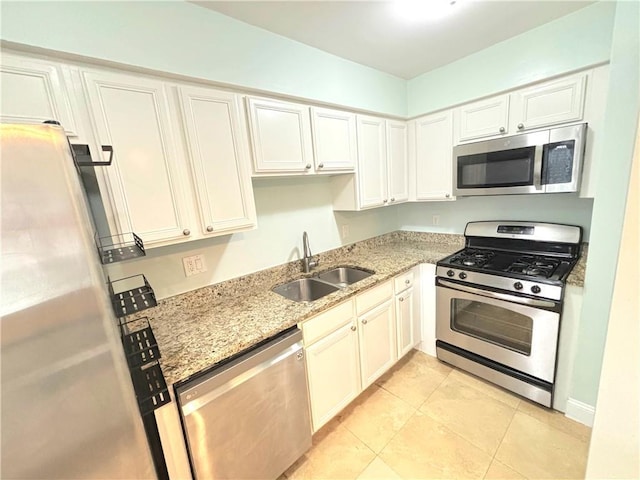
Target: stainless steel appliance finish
x=68, y=406
x=499, y=303
x=547, y=161
x=249, y=418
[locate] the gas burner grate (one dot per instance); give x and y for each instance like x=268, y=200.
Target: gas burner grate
x=472, y=258
x=533, y=266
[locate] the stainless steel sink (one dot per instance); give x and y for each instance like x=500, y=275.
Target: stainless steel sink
x=344, y=276
x=305, y=289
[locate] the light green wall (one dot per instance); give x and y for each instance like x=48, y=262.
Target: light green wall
x=621, y=121
x=181, y=38
x=571, y=42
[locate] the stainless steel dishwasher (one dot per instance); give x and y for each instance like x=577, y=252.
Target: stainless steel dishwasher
x=249, y=418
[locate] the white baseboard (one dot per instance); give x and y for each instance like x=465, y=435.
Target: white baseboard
x=427, y=348
x=580, y=412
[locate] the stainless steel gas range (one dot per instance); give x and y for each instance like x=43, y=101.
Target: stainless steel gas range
x=499, y=303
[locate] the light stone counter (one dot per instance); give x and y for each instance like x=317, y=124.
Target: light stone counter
x=198, y=329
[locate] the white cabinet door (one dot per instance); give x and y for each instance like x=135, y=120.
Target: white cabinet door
x=550, y=103
x=334, y=373
x=280, y=136
x=372, y=160
x=485, y=118
x=377, y=342
x=428, y=307
x=434, y=150
x=334, y=140
x=397, y=162
x=33, y=91
x=131, y=113
x=216, y=141
x=405, y=322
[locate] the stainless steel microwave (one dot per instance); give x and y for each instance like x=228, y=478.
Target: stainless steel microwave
x=547, y=161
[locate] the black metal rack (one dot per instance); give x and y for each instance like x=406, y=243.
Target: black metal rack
x=82, y=155
x=140, y=346
x=117, y=248
x=151, y=388
x=131, y=295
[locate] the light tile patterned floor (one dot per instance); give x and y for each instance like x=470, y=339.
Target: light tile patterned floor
x=425, y=420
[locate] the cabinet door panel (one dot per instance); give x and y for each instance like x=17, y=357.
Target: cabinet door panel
x=132, y=115
x=333, y=372
x=397, y=161
x=280, y=136
x=405, y=322
x=34, y=91
x=434, y=150
x=485, y=118
x=334, y=139
x=549, y=104
x=372, y=158
x=377, y=342
x=219, y=160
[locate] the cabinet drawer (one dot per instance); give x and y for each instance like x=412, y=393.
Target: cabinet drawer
x=369, y=299
x=403, y=281
x=326, y=322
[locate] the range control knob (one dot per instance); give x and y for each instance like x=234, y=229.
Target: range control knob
x=462, y=275
x=450, y=273
x=517, y=286
x=535, y=289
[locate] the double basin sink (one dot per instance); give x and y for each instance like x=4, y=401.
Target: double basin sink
x=314, y=288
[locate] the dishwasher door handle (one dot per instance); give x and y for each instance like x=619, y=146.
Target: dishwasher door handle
x=195, y=400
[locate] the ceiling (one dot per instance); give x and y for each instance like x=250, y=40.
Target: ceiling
x=371, y=33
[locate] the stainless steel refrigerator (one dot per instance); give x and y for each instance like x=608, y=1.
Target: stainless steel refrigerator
x=68, y=406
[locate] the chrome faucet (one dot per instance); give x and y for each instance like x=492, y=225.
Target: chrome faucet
x=307, y=261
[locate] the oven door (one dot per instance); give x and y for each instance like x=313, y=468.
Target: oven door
x=518, y=332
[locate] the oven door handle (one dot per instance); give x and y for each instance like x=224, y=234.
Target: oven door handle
x=500, y=296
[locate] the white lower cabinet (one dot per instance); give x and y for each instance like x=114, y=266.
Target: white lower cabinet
x=376, y=333
x=404, y=320
x=428, y=308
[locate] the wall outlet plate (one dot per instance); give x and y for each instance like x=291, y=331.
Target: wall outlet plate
x=194, y=264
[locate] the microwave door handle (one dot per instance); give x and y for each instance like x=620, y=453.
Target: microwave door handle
x=496, y=295
x=537, y=167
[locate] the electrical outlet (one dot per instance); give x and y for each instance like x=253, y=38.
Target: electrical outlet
x=345, y=231
x=435, y=220
x=193, y=265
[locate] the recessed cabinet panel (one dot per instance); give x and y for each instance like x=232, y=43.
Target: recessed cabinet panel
x=397, y=162
x=280, y=136
x=405, y=322
x=32, y=92
x=377, y=342
x=372, y=159
x=484, y=118
x=549, y=104
x=219, y=159
x=334, y=139
x=434, y=149
x=132, y=115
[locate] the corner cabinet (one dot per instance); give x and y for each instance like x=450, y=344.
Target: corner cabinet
x=145, y=183
x=219, y=160
x=180, y=167
x=433, y=157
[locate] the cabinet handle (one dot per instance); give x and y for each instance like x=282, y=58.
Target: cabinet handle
x=520, y=126
x=385, y=201
x=321, y=165
x=307, y=166
x=407, y=281
x=502, y=130
x=353, y=328
x=186, y=232
x=364, y=322
x=401, y=299
x=447, y=195
x=209, y=228
x=393, y=199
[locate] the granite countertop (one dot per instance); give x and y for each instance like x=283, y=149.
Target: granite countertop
x=198, y=329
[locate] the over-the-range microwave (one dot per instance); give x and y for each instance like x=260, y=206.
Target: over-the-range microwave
x=546, y=161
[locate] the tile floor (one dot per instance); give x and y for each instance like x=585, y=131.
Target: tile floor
x=424, y=419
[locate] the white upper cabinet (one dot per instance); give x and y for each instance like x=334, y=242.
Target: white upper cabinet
x=483, y=119
x=372, y=162
x=219, y=159
x=550, y=103
x=132, y=114
x=397, y=162
x=33, y=91
x=334, y=140
x=433, y=156
x=280, y=136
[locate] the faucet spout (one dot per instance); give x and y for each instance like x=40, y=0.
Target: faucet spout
x=307, y=260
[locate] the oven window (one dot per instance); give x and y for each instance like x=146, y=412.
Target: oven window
x=496, y=325
x=508, y=168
